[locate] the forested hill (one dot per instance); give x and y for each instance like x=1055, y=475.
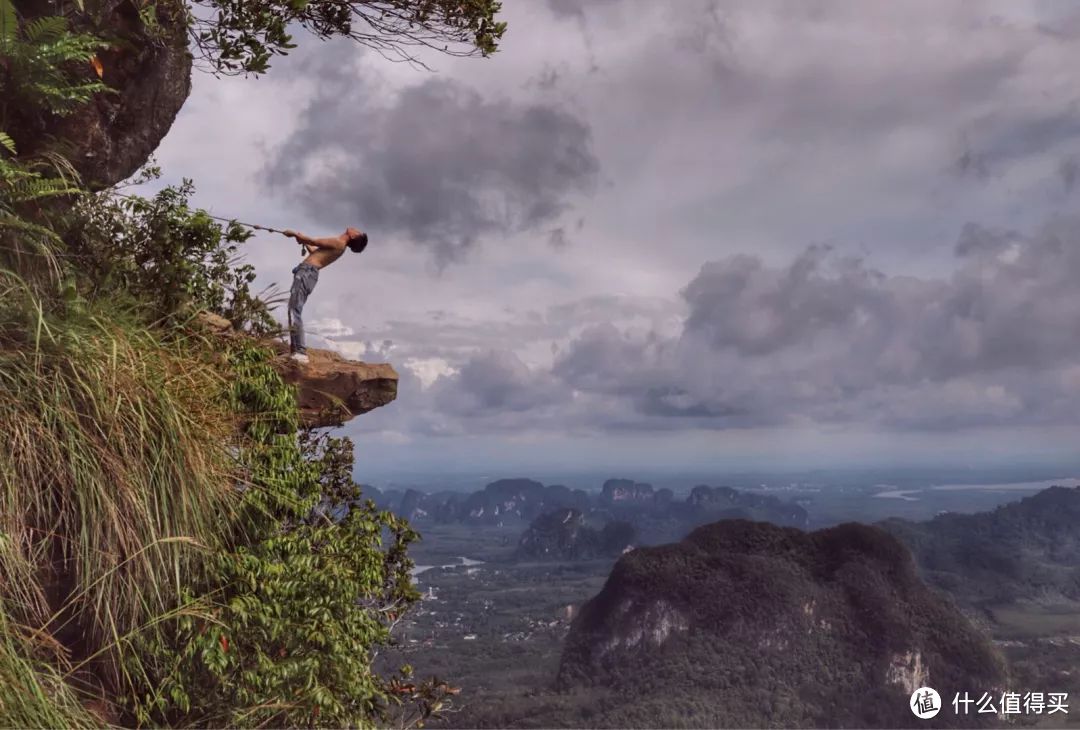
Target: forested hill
x=746, y=624
x=1025, y=550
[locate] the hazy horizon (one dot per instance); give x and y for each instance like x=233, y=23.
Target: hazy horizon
x=1016, y=478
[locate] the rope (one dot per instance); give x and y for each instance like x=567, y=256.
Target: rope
x=303, y=250
x=253, y=226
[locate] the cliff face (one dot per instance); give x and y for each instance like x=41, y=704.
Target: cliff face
x=626, y=491
x=150, y=71
x=777, y=627
x=748, y=505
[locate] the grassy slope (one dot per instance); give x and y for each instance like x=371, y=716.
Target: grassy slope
x=113, y=470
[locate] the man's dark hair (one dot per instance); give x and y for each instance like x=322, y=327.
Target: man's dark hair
x=357, y=244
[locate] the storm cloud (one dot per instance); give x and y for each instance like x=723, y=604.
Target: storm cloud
x=826, y=339
x=823, y=339
x=437, y=163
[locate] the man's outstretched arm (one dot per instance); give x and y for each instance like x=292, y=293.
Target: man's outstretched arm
x=314, y=243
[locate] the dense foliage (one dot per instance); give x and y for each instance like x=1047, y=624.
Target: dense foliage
x=291, y=618
x=170, y=258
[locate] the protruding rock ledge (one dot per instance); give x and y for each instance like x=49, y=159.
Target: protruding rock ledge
x=330, y=389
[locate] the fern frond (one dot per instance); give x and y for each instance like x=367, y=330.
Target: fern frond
x=29, y=189
x=14, y=223
x=40, y=58
x=67, y=44
x=7, y=143
x=47, y=29
x=65, y=100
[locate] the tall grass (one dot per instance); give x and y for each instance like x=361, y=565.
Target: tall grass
x=33, y=693
x=114, y=466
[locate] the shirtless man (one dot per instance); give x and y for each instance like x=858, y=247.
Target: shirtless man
x=321, y=253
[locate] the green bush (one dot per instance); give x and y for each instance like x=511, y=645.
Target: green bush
x=291, y=618
x=169, y=258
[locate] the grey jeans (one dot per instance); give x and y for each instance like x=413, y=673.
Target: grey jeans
x=305, y=277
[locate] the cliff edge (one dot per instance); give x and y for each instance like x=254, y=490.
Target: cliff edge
x=330, y=389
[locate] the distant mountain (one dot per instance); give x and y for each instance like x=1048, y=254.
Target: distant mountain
x=733, y=503
x=655, y=514
x=563, y=534
x=658, y=516
x=746, y=624
x=626, y=491
x=500, y=502
x=1022, y=550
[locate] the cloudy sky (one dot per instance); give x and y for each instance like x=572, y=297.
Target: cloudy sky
x=684, y=234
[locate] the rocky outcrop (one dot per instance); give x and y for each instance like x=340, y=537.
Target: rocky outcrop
x=785, y=628
x=415, y=505
x=330, y=389
x=150, y=71
x=626, y=491
x=747, y=505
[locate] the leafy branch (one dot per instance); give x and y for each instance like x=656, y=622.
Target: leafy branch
x=242, y=36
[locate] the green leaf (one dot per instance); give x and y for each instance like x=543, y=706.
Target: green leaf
x=9, y=22
x=7, y=143
x=148, y=16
